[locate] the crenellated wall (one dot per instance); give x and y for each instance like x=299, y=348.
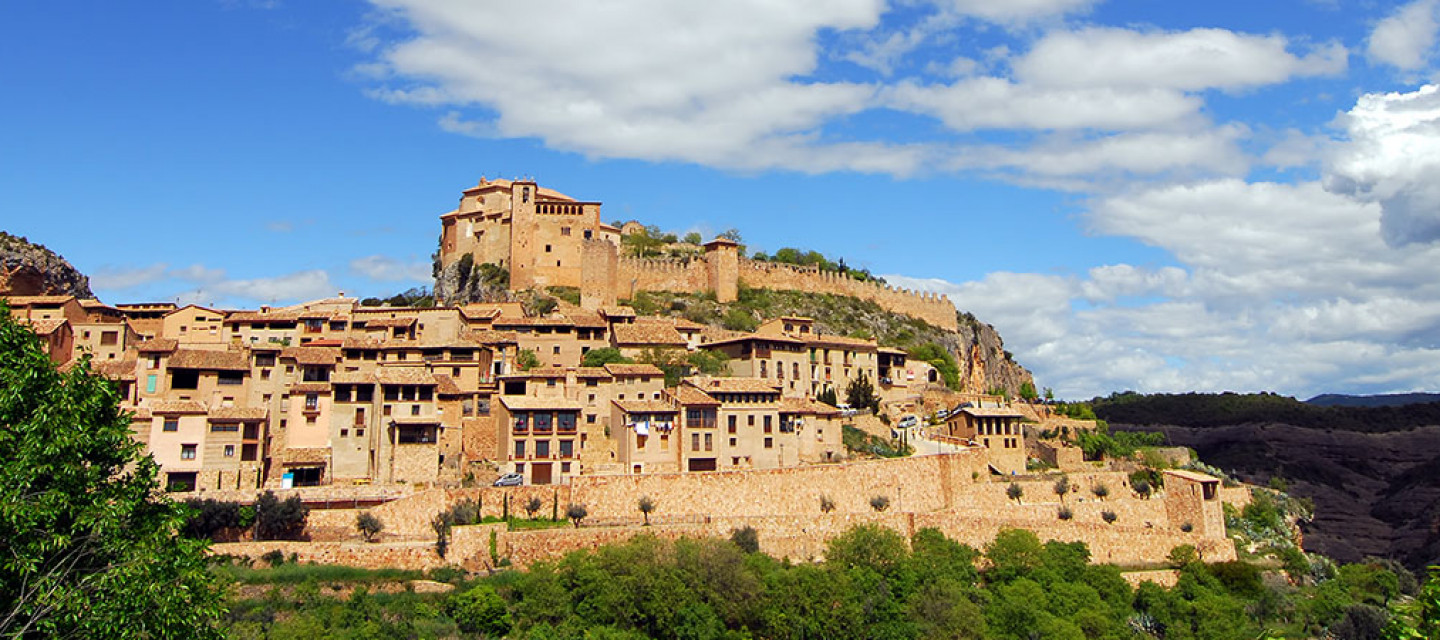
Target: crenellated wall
x=933, y=308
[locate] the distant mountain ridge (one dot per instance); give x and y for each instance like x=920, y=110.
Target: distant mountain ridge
x=1373, y=472
x=1380, y=400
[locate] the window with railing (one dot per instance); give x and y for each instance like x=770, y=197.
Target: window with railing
x=566, y=421
x=542, y=422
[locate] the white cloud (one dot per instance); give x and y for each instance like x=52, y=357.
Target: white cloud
x=698, y=82
x=1392, y=157
x=1016, y=11
x=1406, y=37
x=111, y=278
x=1213, y=151
x=301, y=285
x=996, y=103
x=1188, y=60
x=388, y=269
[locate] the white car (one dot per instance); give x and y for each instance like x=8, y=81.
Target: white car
x=908, y=421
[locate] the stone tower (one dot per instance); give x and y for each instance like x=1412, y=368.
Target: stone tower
x=599, y=272
x=522, y=234
x=722, y=263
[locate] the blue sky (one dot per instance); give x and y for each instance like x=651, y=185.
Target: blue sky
x=1156, y=196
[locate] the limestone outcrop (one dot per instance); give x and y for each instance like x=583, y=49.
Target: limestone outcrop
x=28, y=269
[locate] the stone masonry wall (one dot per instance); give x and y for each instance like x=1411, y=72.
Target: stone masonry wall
x=933, y=308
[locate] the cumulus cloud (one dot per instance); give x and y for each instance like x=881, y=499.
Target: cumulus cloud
x=1283, y=287
x=1187, y=60
x=1406, y=37
x=112, y=278
x=1392, y=157
x=1016, y=11
x=996, y=103
x=388, y=269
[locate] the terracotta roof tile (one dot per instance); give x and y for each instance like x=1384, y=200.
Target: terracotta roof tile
x=405, y=375
x=591, y=372
x=991, y=412
x=754, y=337
x=209, y=360
x=633, y=370
x=45, y=327
x=183, y=406
x=842, y=341
x=690, y=396
x=312, y=355
x=545, y=372
x=310, y=387
x=618, y=312
x=158, y=345
x=734, y=385
x=44, y=301
x=232, y=414
x=114, y=369
x=386, y=323
x=648, y=334
x=446, y=385
x=261, y=317
x=806, y=405
x=352, y=377
x=527, y=403
x=645, y=406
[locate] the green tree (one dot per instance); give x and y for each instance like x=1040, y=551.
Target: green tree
x=1027, y=391
x=646, y=505
x=738, y=319
x=576, y=513
x=1014, y=553
x=525, y=359
x=747, y=538
x=532, y=506
x=603, y=356
x=1014, y=492
x=860, y=393
x=480, y=610
x=277, y=519
x=940, y=358
x=91, y=549
x=694, y=238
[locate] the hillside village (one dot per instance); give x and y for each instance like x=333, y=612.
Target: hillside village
x=499, y=397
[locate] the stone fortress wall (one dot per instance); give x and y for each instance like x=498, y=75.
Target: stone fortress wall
x=952, y=492
x=608, y=278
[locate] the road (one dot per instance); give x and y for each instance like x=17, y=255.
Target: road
x=927, y=447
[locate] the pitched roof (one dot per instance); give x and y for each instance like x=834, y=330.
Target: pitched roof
x=352, y=377
x=114, y=369
x=209, y=360
x=235, y=414
x=446, y=385
x=311, y=355
x=28, y=301
x=387, y=323
x=261, y=317
x=158, y=345
x=991, y=412
x=183, y=406
x=1191, y=475
x=591, y=372
x=405, y=375
x=310, y=387
x=633, y=370
x=842, y=341
x=648, y=334
x=734, y=385
x=690, y=396
x=645, y=406
x=806, y=405
x=748, y=337
x=46, y=327
x=527, y=403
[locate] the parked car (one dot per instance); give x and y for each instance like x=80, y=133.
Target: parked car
x=510, y=480
x=908, y=421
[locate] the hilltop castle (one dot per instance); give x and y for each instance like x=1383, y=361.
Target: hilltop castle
x=548, y=239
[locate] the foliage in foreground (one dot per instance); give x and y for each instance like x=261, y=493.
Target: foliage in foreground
x=87, y=547
x=873, y=584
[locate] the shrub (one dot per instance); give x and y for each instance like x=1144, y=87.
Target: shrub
x=1014, y=492
x=532, y=506
x=1142, y=488
x=1183, y=555
x=1100, y=491
x=525, y=359
x=747, y=538
x=826, y=504
x=1108, y=516
x=1187, y=527
x=480, y=610
x=576, y=513
x=880, y=503
x=1062, y=487
x=1065, y=513
x=738, y=319
x=280, y=520
x=213, y=517
x=273, y=557
x=369, y=525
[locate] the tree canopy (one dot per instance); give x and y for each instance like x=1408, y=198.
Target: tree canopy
x=90, y=549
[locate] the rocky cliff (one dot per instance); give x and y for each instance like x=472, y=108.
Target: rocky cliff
x=28, y=269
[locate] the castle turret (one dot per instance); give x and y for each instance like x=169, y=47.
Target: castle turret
x=722, y=261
